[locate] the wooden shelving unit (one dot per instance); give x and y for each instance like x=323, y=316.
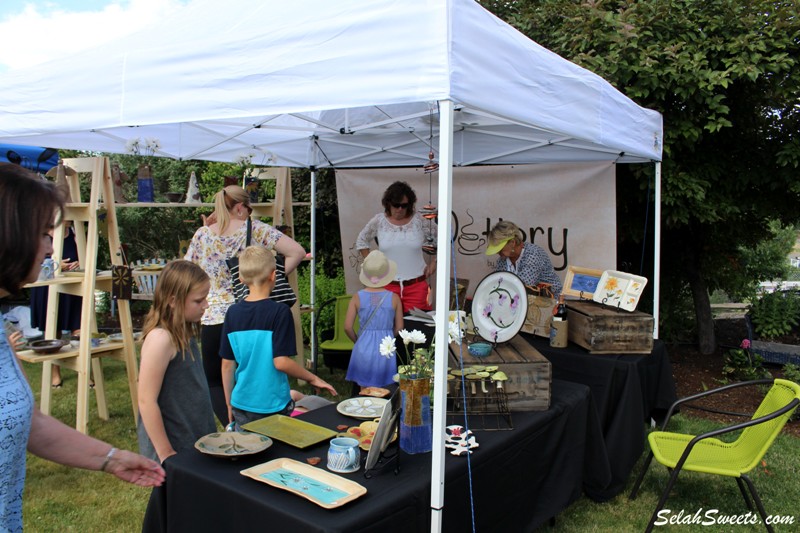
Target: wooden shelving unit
x=281, y=211
x=86, y=219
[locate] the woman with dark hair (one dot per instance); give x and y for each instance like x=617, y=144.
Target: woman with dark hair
x=400, y=233
x=29, y=208
x=224, y=237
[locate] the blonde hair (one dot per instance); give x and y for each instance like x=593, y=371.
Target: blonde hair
x=503, y=231
x=256, y=265
x=225, y=200
x=176, y=281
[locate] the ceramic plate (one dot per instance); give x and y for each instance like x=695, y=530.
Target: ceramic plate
x=292, y=431
x=232, y=444
x=365, y=407
x=375, y=392
x=619, y=289
x=314, y=484
x=385, y=433
x=499, y=306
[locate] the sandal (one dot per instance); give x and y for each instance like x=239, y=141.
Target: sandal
x=57, y=385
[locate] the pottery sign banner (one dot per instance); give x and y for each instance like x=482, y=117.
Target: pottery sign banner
x=567, y=209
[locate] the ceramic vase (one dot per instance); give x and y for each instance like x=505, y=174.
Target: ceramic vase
x=145, y=184
x=416, y=429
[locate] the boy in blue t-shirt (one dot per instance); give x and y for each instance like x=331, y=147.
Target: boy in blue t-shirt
x=257, y=346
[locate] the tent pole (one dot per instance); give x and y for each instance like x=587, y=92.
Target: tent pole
x=443, y=269
x=657, y=252
x=313, y=277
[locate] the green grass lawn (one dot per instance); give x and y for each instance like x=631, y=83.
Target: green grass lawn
x=58, y=498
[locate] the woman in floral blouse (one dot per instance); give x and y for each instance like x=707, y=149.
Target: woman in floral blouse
x=225, y=237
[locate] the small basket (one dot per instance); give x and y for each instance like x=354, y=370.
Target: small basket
x=479, y=349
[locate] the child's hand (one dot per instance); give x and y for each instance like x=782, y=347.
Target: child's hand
x=318, y=384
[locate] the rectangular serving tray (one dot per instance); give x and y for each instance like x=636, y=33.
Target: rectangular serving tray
x=292, y=431
x=619, y=289
x=314, y=484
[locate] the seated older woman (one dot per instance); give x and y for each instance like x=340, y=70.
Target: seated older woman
x=528, y=261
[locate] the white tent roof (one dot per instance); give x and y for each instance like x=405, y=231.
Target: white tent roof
x=219, y=80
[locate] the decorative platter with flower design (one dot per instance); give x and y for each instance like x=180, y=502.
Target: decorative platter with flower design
x=364, y=407
x=619, y=289
x=499, y=306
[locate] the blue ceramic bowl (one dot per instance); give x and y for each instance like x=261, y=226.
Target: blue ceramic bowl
x=479, y=349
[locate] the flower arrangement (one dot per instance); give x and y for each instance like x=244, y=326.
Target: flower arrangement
x=146, y=147
x=421, y=358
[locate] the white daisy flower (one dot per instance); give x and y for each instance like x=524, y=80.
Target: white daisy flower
x=387, y=347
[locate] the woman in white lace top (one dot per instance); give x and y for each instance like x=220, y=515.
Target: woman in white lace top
x=400, y=233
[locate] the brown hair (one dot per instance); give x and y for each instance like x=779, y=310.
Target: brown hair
x=225, y=200
x=176, y=281
x=29, y=208
x=394, y=194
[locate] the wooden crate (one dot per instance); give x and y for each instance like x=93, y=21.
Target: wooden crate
x=529, y=373
x=605, y=330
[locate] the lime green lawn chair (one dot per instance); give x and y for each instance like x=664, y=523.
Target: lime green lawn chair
x=336, y=351
x=706, y=453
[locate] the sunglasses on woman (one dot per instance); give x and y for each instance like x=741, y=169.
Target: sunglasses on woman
x=400, y=206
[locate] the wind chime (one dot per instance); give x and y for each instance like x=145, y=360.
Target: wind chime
x=429, y=210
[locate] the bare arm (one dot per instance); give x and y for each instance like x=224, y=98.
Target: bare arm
x=292, y=251
x=228, y=368
x=52, y=440
x=157, y=351
x=367, y=236
x=350, y=318
x=398, y=313
x=288, y=366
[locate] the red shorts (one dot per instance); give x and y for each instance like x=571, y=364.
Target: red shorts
x=413, y=294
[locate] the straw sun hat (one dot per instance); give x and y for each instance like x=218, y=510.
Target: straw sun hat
x=377, y=270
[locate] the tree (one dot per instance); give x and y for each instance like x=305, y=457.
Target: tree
x=725, y=74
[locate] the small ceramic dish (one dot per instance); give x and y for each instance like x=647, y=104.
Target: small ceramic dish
x=479, y=349
x=48, y=346
x=232, y=444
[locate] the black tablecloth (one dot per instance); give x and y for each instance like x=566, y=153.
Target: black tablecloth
x=627, y=390
x=520, y=479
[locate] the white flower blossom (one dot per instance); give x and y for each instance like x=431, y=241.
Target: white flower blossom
x=132, y=146
x=417, y=337
x=454, y=332
x=405, y=335
x=387, y=347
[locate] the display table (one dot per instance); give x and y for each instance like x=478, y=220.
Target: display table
x=520, y=479
x=627, y=390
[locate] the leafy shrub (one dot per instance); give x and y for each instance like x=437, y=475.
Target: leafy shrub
x=326, y=288
x=775, y=314
x=740, y=364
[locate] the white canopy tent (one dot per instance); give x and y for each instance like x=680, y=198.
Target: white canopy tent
x=313, y=83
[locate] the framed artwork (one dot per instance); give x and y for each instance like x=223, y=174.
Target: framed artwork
x=581, y=282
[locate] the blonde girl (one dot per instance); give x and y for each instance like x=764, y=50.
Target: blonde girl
x=174, y=404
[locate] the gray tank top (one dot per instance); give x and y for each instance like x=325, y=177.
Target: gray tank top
x=185, y=404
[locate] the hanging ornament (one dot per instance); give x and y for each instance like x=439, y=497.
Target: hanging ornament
x=193, y=192
x=429, y=211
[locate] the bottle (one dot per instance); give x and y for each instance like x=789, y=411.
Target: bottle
x=559, y=325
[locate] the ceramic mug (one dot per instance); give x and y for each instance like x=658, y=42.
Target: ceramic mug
x=343, y=455
x=48, y=269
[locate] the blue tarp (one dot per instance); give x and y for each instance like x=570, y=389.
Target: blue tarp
x=33, y=158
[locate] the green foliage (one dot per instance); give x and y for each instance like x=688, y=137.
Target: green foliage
x=775, y=314
x=677, y=324
x=791, y=372
x=326, y=288
x=739, y=364
x=725, y=74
